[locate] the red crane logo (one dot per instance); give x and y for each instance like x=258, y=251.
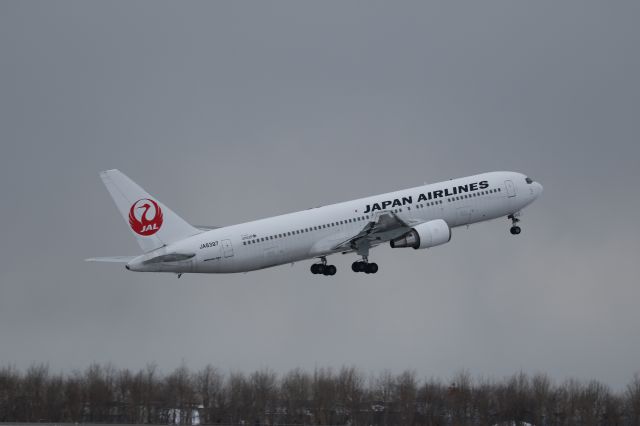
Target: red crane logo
x=145, y=217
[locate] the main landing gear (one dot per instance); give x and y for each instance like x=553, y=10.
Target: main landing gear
x=323, y=268
x=515, y=229
x=364, y=266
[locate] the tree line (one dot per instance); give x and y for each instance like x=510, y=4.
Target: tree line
x=346, y=396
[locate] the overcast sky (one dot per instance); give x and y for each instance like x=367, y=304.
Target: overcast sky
x=232, y=111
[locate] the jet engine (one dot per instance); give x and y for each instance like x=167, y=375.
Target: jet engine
x=425, y=235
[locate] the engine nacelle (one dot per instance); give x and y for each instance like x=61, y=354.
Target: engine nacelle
x=425, y=235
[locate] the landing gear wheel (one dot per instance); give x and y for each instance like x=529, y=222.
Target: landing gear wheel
x=330, y=270
x=321, y=268
x=372, y=268
x=515, y=229
x=358, y=266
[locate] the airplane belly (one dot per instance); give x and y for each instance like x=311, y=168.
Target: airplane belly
x=272, y=256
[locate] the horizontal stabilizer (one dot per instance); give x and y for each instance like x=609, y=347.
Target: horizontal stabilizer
x=113, y=259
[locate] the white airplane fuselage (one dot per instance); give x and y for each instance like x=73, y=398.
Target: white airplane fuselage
x=322, y=231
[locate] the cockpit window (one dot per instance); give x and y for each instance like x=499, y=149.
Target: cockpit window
x=529, y=180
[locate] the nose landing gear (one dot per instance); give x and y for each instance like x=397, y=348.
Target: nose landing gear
x=515, y=229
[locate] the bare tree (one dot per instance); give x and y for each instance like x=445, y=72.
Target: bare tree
x=349, y=393
x=295, y=391
x=149, y=385
x=323, y=390
x=460, y=398
x=178, y=396
x=106, y=394
x=10, y=381
x=541, y=393
x=99, y=382
x=239, y=398
x=406, y=393
x=264, y=388
x=33, y=392
x=208, y=382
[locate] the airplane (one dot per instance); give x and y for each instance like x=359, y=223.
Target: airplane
x=420, y=218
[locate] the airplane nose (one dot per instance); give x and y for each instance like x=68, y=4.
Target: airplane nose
x=539, y=188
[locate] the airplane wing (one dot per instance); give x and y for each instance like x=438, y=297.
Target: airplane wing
x=383, y=227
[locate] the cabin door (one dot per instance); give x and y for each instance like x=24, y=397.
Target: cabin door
x=227, y=248
x=510, y=187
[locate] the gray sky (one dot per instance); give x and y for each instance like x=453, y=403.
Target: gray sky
x=231, y=111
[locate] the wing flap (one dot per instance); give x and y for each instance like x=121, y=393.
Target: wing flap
x=384, y=227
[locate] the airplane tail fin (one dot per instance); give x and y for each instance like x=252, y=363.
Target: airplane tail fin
x=151, y=222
